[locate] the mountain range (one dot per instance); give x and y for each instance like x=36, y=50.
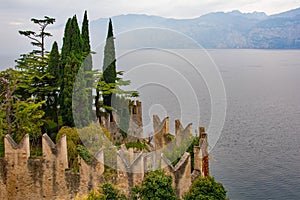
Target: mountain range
x=219, y=30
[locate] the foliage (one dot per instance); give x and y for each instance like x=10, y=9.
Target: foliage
x=206, y=189
x=190, y=150
x=139, y=145
x=109, y=67
x=87, y=64
x=36, y=151
x=156, y=185
x=106, y=192
x=52, y=102
x=76, y=53
x=86, y=46
x=1, y=145
x=19, y=117
x=70, y=69
x=71, y=57
x=110, y=81
x=85, y=154
x=121, y=107
x=94, y=137
x=38, y=39
x=28, y=119
x=35, y=80
x=110, y=160
x=175, y=151
x=80, y=100
x=72, y=141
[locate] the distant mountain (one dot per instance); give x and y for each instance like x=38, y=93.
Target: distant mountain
x=214, y=30
x=290, y=13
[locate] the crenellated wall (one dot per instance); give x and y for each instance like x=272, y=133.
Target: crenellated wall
x=201, y=162
x=48, y=177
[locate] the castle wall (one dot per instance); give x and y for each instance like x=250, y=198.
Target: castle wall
x=181, y=173
x=130, y=169
x=201, y=161
x=48, y=177
x=90, y=174
x=161, y=131
x=182, y=133
x=3, y=171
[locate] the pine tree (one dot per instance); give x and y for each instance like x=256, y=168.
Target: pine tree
x=35, y=81
x=38, y=39
x=18, y=117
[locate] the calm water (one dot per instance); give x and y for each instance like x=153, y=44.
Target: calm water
x=257, y=155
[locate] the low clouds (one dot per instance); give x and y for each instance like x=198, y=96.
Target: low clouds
x=16, y=14
x=165, y=8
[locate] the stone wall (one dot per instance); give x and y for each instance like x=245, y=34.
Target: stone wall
x=49, y=177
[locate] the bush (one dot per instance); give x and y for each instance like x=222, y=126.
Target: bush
x=139, y=145
x=72, y=141
x=157, y=185
x=106, y=192
x=1, y=145
x=85, y=154
x=206, y=189
x=174, y=152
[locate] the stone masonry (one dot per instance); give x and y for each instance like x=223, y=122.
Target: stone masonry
x=49, y=177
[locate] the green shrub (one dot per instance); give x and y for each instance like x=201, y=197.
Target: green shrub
x=207, y=189
x=106, y=192
x=174, y=152
x=1, y=145
x=72, y=141
x=85, y=154
x=51, y=128
x=156, y=185
x=138, y=145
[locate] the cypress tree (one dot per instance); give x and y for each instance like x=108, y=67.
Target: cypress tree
x=65, y=52
x=66, y=48
x=54, y=70
x=87, y=62
x=53, y=66
x=76, y=40
x=86, y=47
x=71, y=62
x=109, y=65
x=109, y=83
x=80, y=100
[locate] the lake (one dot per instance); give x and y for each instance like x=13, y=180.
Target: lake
x=257, y=154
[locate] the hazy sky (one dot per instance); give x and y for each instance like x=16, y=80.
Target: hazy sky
x=16, y=14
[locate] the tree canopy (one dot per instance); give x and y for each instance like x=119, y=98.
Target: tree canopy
x=207, y=189
x=156, y=185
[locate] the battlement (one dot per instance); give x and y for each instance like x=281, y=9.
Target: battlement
x=49, y=177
